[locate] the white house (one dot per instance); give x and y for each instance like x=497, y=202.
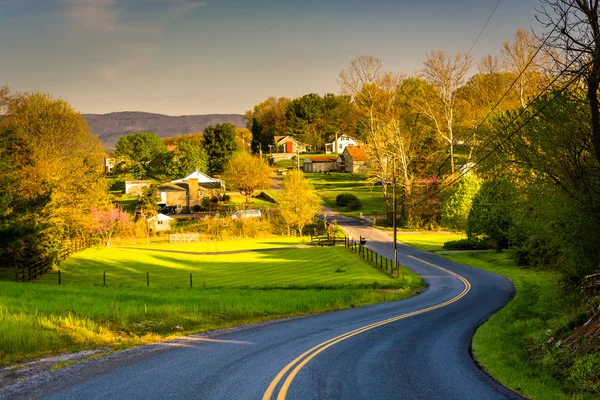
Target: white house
x=342, y=142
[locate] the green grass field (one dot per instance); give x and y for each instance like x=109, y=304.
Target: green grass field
x=510, y=346
x=44, y=318
x=429, y=241
x=311, y=267
x=329, y=186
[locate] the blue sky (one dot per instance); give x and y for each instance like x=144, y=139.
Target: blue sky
x=223, y=56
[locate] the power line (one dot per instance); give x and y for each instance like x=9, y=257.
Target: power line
x=514, y=82
x=565, y=87
x=484, y=26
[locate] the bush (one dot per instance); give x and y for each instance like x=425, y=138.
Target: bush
x=196, y=208
x=343, y=199
x=214, y=199
x=226, y=197
x=353, y=204
x=467, y=244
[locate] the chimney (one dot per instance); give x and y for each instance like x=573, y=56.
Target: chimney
x=193, y=199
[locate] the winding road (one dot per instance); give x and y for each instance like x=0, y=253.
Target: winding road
x=418, y=348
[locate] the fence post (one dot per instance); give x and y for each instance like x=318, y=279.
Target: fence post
x=147, y=278
x=59, y=276
x=191, y=279
x=104, y=278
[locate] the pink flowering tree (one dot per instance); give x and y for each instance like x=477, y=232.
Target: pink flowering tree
x=107, y=222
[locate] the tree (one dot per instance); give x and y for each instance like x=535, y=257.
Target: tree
x=220, y=144
x=141, y=154
x=299, y=203
x=518, y=57
x=247, y=173
x=458, y=204
x=243, y=137
x=187, y=157
x=66, y=160
x=446, y=74
x=267, y=120
x=106, y=222
x=491, y=213
x=575, y=48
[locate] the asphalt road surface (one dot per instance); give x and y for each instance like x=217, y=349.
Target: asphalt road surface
x=418, y=348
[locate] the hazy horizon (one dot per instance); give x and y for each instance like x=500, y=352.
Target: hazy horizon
x=189, y=57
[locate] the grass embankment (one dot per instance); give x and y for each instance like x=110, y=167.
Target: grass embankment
x=429, y=241
x=41, y=319
x=515, y=345
x=329, y=186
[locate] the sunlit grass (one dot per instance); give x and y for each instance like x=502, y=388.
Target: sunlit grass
x=329, y=186
x=229, y=245
x=306, y=267
x=429, y=241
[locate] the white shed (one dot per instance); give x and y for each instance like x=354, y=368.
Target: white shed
x=160, y=222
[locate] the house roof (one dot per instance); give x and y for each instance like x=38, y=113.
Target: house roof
x=321, y=159
x=356, y=153
x=201, y=176
x=184, y=187
x=159, y=217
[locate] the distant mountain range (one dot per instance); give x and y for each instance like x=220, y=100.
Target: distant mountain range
x=110, y=127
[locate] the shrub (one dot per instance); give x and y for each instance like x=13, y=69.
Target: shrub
x=196, y=208
x=214, y=199
x=353, y=204
x=467, y=244
x=226, y=197
x=343, y=199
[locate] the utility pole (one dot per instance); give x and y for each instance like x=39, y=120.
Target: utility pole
x=394, y=215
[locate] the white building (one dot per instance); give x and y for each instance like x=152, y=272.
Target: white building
x=202, y=178
x=160, y=222
x=343, y=141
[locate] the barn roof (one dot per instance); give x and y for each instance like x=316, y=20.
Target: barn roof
x=356, y=153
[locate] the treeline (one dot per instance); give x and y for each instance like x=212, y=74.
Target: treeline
x=144, y=155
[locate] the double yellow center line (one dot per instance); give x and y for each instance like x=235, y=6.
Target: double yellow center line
x=299, y=362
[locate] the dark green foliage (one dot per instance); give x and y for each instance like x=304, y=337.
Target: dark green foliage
x=491, y=213
x=467, y=244
x=260, y=139
x=25, y=234
x=353, y=205
x=343, y=199
x=220, y=144
x=141, y=154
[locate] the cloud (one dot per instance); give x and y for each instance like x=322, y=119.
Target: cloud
x=133, y=26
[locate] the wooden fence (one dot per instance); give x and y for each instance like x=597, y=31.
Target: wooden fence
x=39, y=267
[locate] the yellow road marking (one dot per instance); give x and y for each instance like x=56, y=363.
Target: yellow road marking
x=299, y=362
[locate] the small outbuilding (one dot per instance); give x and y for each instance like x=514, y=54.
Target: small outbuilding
x=160, y=222
x=319, y=164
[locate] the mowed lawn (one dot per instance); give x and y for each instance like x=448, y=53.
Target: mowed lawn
x=44, y=318
x=304, y=267
x=329, y=186
x=429, y=241
x=230, y=245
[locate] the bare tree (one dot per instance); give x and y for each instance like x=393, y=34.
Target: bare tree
x=518, y=57
x=446, y=74
x=573, y=42
x=363, y=70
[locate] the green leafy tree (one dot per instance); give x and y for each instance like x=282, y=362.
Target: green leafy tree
x=299, y=203
x=219, y=143
x=267, y=120
x=491, y=213
x=247, y=173
x=141, y=154
x=187, y=157
x=458, y=205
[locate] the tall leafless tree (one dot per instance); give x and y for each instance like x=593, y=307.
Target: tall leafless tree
x=573, y=42
x=446, y=74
